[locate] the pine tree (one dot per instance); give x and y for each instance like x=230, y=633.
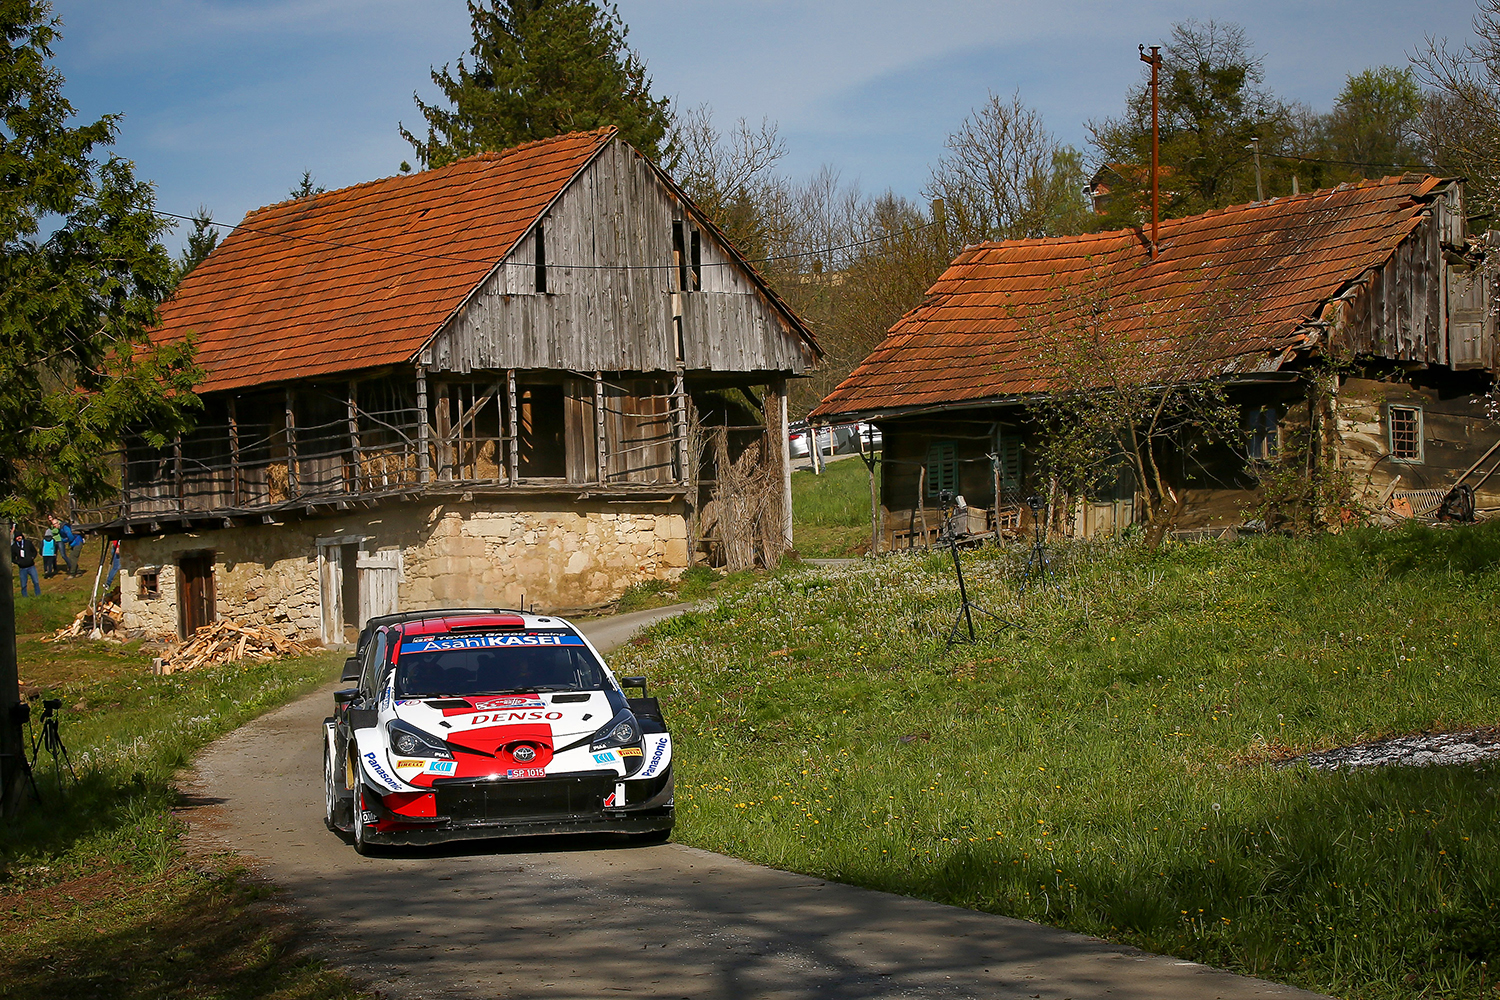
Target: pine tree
x=540, y=68
x=201, y=242
x=81, y=270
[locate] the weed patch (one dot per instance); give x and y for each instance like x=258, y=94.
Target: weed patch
x=1098, y=769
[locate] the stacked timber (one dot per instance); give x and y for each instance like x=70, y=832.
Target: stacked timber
x=227, y=641
x=107, y=616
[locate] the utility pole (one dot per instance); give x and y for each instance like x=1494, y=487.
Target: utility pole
x=1260, y=193
x=1155, y=61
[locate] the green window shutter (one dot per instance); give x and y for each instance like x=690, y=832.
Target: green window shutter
x=1010, y=466
x=942, y=468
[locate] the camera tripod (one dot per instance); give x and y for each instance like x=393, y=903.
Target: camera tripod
x=51, y=741
x=966, y=607
x=1038, y=565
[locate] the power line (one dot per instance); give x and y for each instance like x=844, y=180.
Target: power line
x=580, y=267
x=1352, y=163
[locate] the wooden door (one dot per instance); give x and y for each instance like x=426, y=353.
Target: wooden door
x=379, y=575
x=195, y=591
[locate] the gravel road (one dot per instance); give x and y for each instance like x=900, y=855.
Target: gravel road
x=588, y=917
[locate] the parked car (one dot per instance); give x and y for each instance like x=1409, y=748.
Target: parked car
x=473, y=725
x=835, y=439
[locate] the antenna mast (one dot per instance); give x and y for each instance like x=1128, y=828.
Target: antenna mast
x=1154, y=59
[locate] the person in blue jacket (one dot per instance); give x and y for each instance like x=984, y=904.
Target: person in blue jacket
x=49, y=554
x=70, y=542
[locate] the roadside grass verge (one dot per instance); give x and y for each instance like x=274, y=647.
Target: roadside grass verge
x=831, y=511
x=96, y=896
x=1108, y=766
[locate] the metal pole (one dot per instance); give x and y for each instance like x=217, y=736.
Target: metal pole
x=1155, y=60
x=1260, y=192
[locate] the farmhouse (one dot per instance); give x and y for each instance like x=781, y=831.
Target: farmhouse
x=480, y=385
x=1355, y=325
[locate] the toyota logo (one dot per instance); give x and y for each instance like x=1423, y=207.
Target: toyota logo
x=524, y=753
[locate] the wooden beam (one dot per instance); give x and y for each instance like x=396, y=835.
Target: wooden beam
x=353, y=483
x=600, y=446
x=177, y=471
x=680, y=425
x=424, y=429
x=776, y=440
x=444, y=427
x=291, y=447
x=234, y=454
x=515, y=429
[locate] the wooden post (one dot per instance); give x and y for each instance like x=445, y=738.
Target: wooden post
x=12, y=737
x=234, y=454
x=354, y=480
x=177, y=471
x=600, y=446
x=444, y=428
x=514, y=449
x=124, y=491
x=922, y=501
x=680, y=425
x=875, y=532
x=424, y=429
x=291, y=448
x=776, y=441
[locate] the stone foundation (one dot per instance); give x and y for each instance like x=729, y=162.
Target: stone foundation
x=449, y=555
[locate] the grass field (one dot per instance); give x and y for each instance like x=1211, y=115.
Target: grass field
x=96, y=897
x=1106, y=765
x=831, y=511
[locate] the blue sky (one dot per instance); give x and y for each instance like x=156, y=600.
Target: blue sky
x=226, y=102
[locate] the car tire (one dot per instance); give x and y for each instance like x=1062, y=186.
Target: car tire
x=362, y=845
x=330, y=793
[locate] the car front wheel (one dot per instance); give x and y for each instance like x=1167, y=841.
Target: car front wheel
x=330, y=791
x=362, y=843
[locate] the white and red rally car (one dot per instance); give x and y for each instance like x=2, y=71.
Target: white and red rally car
x=491, y=724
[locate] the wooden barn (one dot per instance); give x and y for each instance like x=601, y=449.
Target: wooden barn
x=1355, y=324
x=483, y=384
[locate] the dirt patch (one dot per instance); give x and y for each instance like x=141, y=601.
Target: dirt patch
x=1472, y=746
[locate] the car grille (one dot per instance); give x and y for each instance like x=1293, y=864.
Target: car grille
x=524, y=799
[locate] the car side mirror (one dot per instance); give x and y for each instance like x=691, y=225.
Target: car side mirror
x=345, y=697
x=634, y=682
x=351, y=669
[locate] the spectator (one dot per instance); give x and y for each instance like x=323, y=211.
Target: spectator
x=114, y=566
x=23, y=554
x=70, y=542
x=49, y=554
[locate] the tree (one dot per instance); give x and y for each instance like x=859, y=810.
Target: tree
x=1006, y=177
x=80, y=273
x=1212, y=105
x=540, y=68
x=1130, y=382
x=730, y=178
x=201, y=242
x=1461, y=121
x=305, y=188
x=1374, y=125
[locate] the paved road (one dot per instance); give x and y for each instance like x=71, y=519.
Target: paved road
x=587, y=917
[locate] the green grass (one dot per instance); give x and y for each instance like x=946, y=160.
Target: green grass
x=1106, y=769
x=831, y=512
x=97, y=898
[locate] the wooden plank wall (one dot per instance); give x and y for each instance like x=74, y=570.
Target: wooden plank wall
x=600, y=316
x=1455, y=432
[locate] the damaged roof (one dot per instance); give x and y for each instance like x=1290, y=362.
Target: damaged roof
x=1255, y=275
x=363, y=276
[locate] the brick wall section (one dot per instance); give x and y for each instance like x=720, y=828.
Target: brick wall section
x=452, y=555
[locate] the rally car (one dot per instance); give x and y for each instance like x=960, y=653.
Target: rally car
x=474, y=724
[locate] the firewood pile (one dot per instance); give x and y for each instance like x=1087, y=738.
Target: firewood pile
x=227, y=641
x=109, y=620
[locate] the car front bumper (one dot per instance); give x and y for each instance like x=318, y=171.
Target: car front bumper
x=472, y=810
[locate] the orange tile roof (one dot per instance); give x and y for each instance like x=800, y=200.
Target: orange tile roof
x=1276, y=263
x=363, y=276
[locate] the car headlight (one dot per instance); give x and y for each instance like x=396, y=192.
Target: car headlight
x=622, y=730
x=409, y=741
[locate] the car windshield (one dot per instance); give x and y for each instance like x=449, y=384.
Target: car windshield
x=457, y=665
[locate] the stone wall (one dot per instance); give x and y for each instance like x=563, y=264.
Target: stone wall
x=451, y=555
